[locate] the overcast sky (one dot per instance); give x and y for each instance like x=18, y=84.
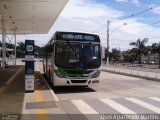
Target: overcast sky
x=92, y=15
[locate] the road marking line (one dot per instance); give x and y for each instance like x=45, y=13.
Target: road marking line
x=144, y=104
x=50, y=89
x=41, y=113
x=11, y=79
x=37, y=68
x=120, y=108
x=54, y=95
x=38, y=97
x=84, y=107
x=155, y=98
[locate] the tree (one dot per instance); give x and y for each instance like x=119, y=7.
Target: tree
x=156, y=49
x=20, y=49
x=39, y=51
x=8, y=45
x=115, y=54
x=105, y=54
x=140, y=48
x=126, y=55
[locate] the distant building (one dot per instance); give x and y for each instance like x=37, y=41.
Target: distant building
x=152, y=58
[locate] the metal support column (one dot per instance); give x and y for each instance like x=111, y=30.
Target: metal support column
x=11, y=39
x=3, y=44
x=15, y=50
x=1, y=37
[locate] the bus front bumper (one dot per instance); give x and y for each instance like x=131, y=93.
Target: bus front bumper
x=74, y=82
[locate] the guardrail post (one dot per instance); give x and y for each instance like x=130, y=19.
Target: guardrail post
x=105, y=66
x=125, y=67
x=131, y=69
x=138, y=69
x=147, y=71
x=156, y=75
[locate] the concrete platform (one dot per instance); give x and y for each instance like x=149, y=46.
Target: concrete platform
x=41, y=104
x=12, y=89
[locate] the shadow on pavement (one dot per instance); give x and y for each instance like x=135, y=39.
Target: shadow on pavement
x=11, y=90
x=72, y=89
x=39, y=83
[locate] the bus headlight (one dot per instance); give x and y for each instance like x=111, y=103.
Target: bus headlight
x=96, y=74
x=59, y=74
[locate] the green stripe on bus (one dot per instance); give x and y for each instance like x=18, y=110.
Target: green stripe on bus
x=70, y=72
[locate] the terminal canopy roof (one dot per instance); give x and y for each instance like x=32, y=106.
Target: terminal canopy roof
x=29, y=16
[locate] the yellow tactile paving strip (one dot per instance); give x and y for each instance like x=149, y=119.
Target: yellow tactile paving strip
x=41, y=113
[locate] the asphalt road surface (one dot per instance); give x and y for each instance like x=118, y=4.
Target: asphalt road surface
x=115, y=94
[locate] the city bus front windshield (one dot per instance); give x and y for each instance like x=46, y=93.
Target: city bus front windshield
x=77, y=55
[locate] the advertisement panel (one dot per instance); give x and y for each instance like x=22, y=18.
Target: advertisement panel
x=29, y=83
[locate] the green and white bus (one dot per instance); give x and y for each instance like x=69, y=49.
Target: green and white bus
x=73, y=59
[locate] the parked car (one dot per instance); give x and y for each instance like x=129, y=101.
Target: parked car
x=144, y=62
x=151, y=62
x=135, y=61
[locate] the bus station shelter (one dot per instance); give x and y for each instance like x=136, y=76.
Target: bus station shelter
x=18, y=17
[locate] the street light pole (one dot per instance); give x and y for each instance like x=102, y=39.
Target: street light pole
x=108, y=35
x=108, y=22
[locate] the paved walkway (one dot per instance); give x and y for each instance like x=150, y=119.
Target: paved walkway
x=40, y=105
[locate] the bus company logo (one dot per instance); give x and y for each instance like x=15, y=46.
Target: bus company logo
x=29, y=48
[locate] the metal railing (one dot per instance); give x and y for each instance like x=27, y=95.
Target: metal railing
x=145, y=70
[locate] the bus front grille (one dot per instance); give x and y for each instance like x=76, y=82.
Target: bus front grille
x=74, y=77
x=78, y=81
